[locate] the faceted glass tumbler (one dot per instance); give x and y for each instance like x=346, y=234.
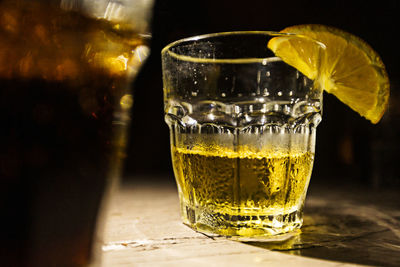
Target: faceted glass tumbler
x=242, y=128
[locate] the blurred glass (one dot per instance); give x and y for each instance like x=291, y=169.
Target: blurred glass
x=66, y=69
x=243, y=126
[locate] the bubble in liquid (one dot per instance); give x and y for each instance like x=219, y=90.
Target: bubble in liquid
x=126, y=101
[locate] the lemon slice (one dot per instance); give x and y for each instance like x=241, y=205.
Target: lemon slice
x=347, y=67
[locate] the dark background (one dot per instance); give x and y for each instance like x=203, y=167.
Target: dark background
x=349, y=148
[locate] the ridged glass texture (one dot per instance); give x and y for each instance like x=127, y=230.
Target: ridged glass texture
x=242, y=126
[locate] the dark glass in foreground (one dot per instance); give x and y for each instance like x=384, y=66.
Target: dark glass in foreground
x=64, y=103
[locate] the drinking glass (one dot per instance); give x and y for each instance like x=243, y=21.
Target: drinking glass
x=242, y=129
x=66, y=69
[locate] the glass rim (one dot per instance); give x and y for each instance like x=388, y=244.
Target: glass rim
x=263, y=60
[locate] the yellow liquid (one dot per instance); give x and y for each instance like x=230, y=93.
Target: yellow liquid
x=245, y=193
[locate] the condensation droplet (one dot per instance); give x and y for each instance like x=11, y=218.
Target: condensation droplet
x=280, y=93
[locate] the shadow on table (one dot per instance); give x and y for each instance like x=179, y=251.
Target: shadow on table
x=360, y=234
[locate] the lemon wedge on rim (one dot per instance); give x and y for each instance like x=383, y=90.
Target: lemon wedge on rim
x=341, y=64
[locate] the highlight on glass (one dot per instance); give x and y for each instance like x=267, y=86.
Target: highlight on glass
x=242, y=132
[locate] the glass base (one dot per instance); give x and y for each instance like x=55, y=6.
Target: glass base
x=247, y=228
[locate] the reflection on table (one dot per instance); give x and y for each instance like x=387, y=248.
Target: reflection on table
x=343, y=226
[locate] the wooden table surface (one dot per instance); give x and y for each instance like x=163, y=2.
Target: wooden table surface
x=341, y=228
